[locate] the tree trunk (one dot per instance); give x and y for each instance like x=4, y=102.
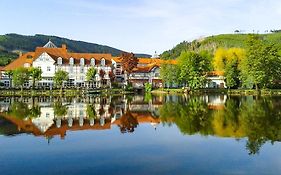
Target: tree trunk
x=33, y=83
x=257, y=88
x=21, y=89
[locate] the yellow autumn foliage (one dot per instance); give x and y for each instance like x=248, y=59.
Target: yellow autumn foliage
x=222, y=56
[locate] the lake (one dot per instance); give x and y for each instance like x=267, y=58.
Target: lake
x=140, y=134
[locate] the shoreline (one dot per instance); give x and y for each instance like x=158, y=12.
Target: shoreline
x=231, y=92
x=84, y=92
x=65, y=93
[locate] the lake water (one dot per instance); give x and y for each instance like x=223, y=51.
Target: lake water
x=140, y=135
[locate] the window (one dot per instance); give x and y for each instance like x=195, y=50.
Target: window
x=103, y=62
x=82, y=61
x=47, y=115
x=81, y=70
x=93, y=61
x=60, y=61
x=71, y=61
x=48, y=69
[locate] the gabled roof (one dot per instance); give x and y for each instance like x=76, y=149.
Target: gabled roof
x=50, y=45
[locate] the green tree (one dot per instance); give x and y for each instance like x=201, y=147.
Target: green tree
x=169, y=73
x=91, y=74
x=35, y=74
x=60, y=110
x=19, y=110
x=261, y=64
x=20, y=76
x=232, y=74
x=194, y=68
x=59, y=78
x=9, y=73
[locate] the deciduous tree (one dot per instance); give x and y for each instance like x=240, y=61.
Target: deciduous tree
x=35, y=74
x=194, y=68
x=59, y=78
x=20, y=76
x=129, y=62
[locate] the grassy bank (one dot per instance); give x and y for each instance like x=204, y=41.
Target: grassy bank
x=65, y=93
x=263, y=92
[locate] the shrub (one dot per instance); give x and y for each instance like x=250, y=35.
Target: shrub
x=148, y=87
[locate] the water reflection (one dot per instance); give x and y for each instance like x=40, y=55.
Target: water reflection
x=256, y=119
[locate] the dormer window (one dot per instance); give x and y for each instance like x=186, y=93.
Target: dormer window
x=93, y=62
x=82, y=61
x=71, y=61
x=102, y=62
x=60, y=61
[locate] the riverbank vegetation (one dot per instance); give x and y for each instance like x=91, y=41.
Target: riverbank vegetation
x=256, y=65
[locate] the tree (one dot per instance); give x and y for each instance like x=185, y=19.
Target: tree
x=129, y=62
x=60, y=110
x=35, y=74
x=111, y=76
x=232, y=74
x=261, y=65
x=20, y=76
x=194, y=68
x=101, y=74
x=9, y=73
x=59, y=78
x=222, y=56
x=91, y=75
x=128, y=123
x=169, y=73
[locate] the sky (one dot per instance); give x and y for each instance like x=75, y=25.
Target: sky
x=140, y=26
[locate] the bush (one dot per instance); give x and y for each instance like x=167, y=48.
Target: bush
x=148, y=87
x=129, y=87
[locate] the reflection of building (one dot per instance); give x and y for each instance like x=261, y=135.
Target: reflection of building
x=56, y=118
x=216, y=79
x=216, y=101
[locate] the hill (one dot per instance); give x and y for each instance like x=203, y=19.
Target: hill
x=11, y=44
x=211, y=43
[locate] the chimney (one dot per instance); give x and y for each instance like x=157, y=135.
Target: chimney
x=63, y=46
x=20, y=54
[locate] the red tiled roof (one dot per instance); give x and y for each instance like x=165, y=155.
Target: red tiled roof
x=19, y=62
x=145, y=69
x=55, y=53
x=216, y=73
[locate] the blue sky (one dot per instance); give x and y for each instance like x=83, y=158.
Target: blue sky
x=141, y=26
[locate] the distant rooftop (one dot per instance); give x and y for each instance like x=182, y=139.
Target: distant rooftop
x=50, y=45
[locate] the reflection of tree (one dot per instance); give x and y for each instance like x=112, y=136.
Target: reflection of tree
x=60, y=110
x=263, y=123
x=190, y=117
x=91, y=111
x=227, y=122
x=128, y=123
x=259, y=120
x=19, y=110
x=34, y=112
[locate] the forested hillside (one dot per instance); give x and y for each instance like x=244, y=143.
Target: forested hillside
x=211, y=43
x=10, y=44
